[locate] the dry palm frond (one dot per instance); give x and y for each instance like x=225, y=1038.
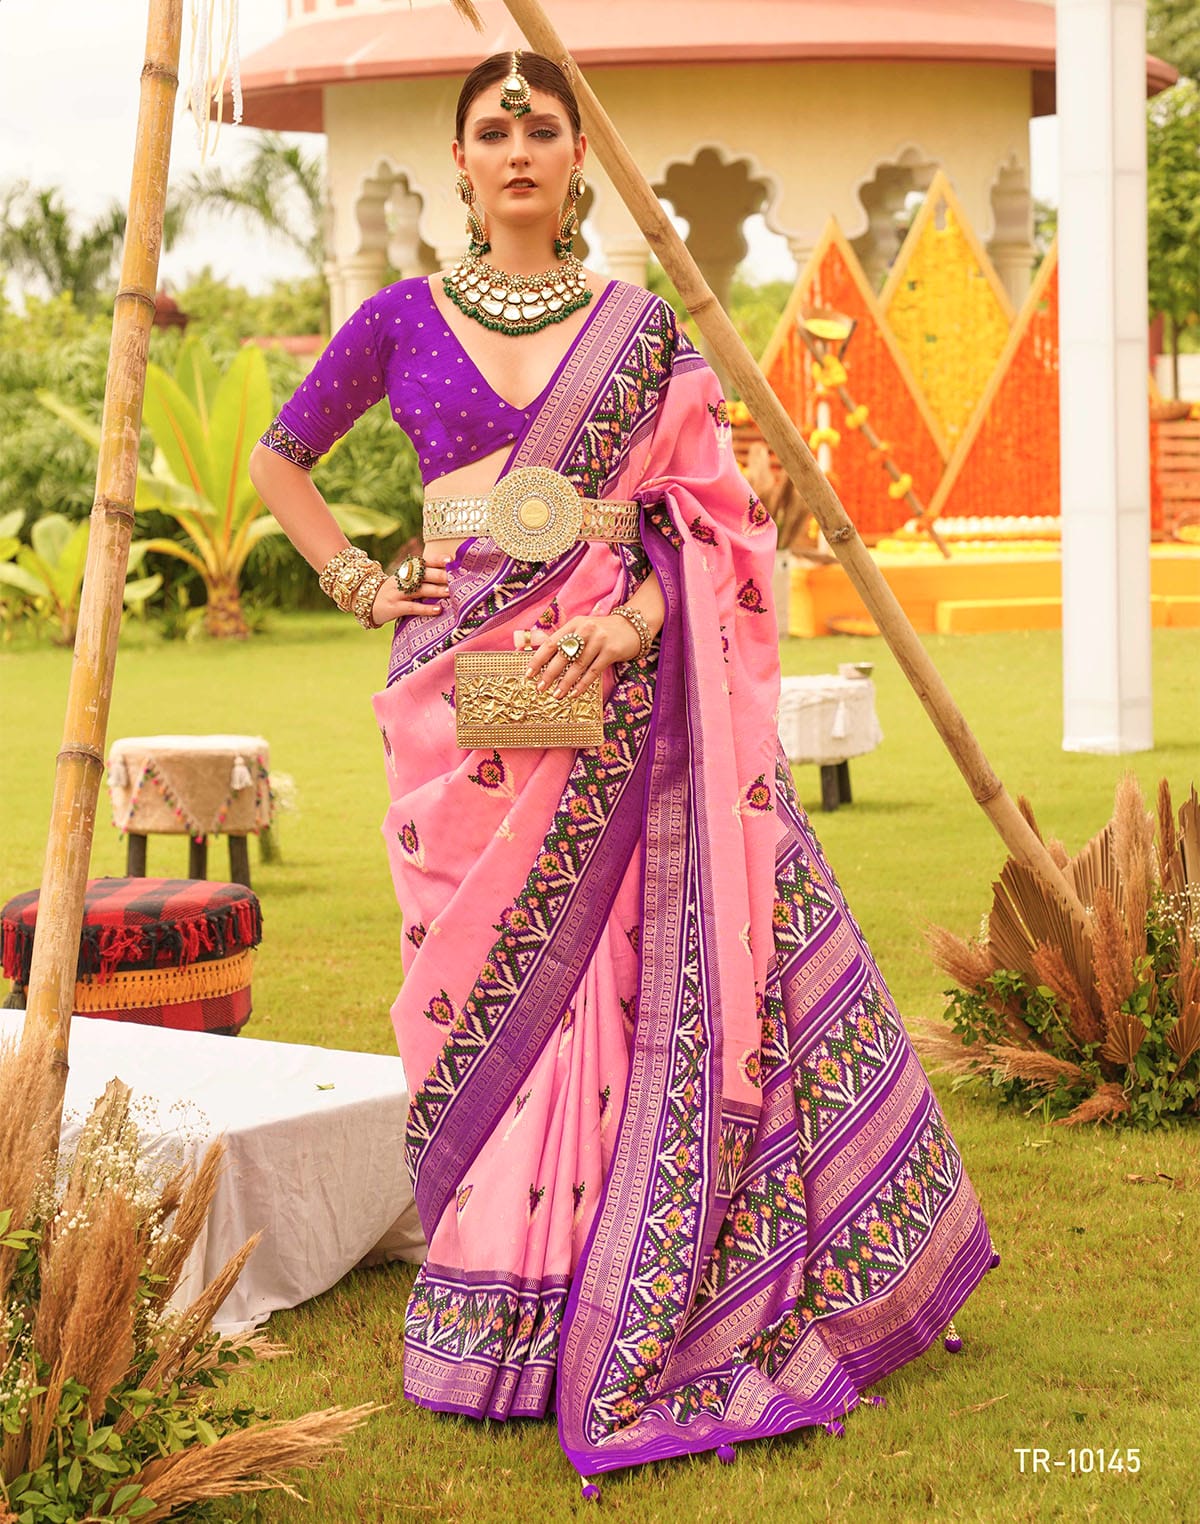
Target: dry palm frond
x=1034, y=1066
x=1133, y=853
x=1026, y=810
x=1052, y=970
x=1179, y=867
x=169, y=1255
x=1183, y=1038
x=1115, y=976
x=1126, y=1034
x=246, y=1460
x=26, y=1110
x=1058, y=854
x=1094, y=867
x=967, y=963
x=1103, y=1104
x=1027, y=912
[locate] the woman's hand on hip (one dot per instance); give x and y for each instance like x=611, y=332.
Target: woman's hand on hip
x=391, y=604
x=606, y=640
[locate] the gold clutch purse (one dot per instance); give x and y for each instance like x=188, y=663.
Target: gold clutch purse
x=496, y=705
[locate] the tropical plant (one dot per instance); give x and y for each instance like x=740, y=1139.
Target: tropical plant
x=204, y=426
x=49, y=571
x=110, y=1401
x=281, y=188
x=1173, y=33
x=1094, y=1021
x=42, y=242
x=1173, y=204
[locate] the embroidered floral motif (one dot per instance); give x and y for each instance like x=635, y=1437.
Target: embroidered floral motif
x=462, y=1198
x=441, y=1011
x=757, y=517
x=750, y=599
x=492, y=774
x=549, y=617
x=387, y=745
x=756, y=797
x=536, y=1192
x=416, y=933
x=410, y=844
x=750, y=1065
x=281, y=439
x=657, y=517
x=700, y=531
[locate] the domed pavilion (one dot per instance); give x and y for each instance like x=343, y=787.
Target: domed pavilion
x=795, y=109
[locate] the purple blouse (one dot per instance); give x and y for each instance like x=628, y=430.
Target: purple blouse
x=397, y=345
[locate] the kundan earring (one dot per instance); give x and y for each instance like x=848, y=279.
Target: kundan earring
x=476, y=231
x=569, y=225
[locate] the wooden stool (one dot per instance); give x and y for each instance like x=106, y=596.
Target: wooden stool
x=198, y=786
x=828, y=720
x=164, y=952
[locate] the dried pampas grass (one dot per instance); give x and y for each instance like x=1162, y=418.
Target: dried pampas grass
x=247, y=1461
x=1103, y=1105
x=26, y=1107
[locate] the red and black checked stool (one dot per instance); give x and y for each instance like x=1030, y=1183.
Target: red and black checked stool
x=166, y=952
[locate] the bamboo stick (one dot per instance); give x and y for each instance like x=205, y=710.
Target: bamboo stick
x=80, y=763
x=781, y=433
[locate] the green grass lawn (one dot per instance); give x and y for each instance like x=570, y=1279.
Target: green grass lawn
x=1085, y=1338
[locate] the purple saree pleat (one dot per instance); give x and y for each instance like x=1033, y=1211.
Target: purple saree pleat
x=680, y=1171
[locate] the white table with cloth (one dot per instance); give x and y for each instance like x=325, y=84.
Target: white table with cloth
x=314, y=1143
x=827, y=720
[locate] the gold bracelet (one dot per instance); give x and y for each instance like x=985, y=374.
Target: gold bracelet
x=364, y=596
x=341, y=575
x=638, y=620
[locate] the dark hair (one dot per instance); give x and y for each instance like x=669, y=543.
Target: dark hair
x=542, y=73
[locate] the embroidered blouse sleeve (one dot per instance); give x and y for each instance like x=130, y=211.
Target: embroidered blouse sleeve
x=346, y=380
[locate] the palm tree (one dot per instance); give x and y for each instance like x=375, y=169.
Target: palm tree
x=281, y=188
x=41, y=241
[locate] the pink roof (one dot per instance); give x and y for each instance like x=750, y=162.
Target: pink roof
x=282, y=82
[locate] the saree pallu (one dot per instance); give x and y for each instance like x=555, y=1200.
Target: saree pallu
x=680, y=1173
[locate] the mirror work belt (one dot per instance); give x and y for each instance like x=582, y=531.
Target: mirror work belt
x=533, y=514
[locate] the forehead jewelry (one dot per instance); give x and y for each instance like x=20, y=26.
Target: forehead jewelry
x=514, y=92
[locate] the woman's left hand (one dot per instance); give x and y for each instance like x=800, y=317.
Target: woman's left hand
x=606, y=641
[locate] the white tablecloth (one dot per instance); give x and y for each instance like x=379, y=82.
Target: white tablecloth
x=827, y=719
x=315, y=1150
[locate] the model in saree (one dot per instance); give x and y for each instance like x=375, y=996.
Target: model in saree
x=682, y=1178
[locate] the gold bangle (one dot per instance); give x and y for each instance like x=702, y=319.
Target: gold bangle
x=638, y=620
x=338, y=565
x=364, y=596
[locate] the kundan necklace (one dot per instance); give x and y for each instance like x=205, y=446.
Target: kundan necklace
x=516, y=303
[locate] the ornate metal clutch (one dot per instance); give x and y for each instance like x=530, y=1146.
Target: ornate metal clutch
x=496, y=705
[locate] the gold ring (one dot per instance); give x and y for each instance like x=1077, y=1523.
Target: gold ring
x=571, y=646
x=410, y=574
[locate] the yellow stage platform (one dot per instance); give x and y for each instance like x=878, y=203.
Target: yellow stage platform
x=1009, y=587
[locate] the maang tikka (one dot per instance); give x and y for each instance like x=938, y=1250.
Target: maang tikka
x=569, y=225
x=476, y=231
x=514, y=92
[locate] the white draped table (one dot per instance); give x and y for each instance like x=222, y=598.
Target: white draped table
x=314, y=1150
x=828, y=720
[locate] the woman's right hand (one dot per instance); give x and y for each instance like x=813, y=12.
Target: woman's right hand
x=391, y=604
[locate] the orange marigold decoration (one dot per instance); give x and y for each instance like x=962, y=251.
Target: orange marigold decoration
x=879, y=377
x=947, y=308
x=1006, y=462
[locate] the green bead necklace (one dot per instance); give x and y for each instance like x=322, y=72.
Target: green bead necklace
x=516, y=304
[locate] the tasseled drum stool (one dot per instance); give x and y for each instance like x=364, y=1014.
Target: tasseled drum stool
x=165, y=952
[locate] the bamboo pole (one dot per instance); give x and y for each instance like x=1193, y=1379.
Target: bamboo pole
x=781, y=433
x=80, y=762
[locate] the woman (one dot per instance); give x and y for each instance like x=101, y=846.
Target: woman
x=680, y=1173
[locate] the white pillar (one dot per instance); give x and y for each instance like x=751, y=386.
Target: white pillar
x=1101, y=71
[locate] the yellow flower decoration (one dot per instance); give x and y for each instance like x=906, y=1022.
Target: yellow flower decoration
x=858, y=416
x=738, y=412
x=818, y=437
x=901, y=488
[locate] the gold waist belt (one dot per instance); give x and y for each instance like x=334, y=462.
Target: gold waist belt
x=533, y=514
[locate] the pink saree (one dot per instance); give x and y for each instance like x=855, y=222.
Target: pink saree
x=682, y=1178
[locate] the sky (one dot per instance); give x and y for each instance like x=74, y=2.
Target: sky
x=68, y=109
